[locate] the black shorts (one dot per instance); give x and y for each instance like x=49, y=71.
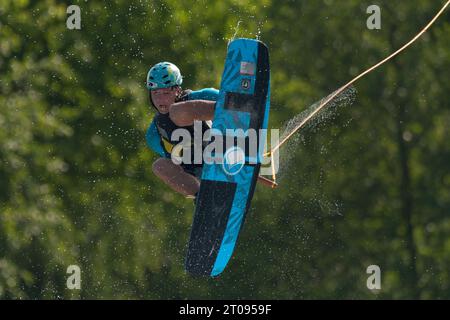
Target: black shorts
x=193, y=169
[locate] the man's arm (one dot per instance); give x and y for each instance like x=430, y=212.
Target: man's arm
x=154, y=140
x=184, y=113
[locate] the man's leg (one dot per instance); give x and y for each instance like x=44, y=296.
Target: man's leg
x=175, y=177
x=184, y=113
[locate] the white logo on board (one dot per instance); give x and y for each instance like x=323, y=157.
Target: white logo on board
x=234, y=161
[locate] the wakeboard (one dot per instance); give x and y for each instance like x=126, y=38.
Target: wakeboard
x=226, y=189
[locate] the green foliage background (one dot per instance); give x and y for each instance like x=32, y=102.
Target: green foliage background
x=370, y=186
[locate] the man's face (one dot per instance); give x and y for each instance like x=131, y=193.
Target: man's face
x=163, y=98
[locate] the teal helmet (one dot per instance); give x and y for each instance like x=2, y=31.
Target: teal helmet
x=163, y=75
